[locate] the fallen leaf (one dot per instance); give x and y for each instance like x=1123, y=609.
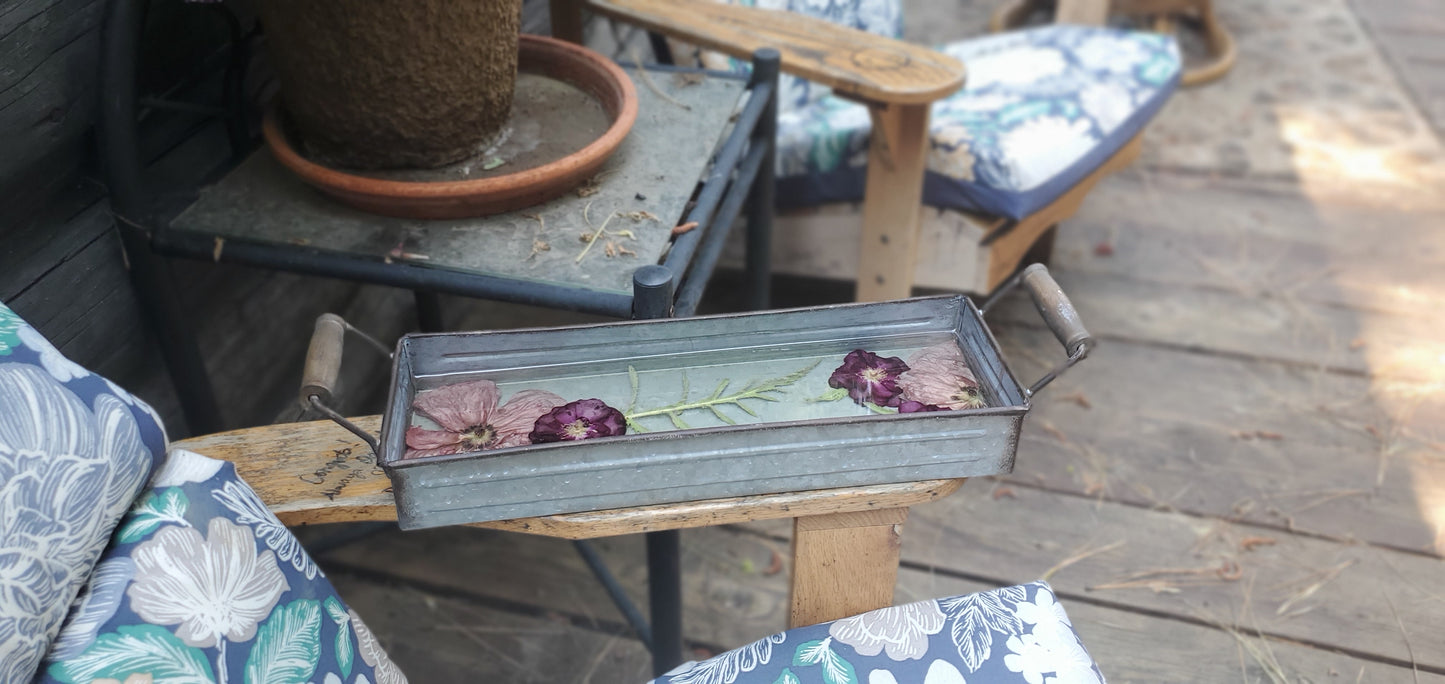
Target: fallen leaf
x=687, y=78
x=1248, y=435
x=493, y=163
x=216, y=251
x=397, y=251
x=610, y=249
x=1251, y=543
x=1056, y=433
x=1078, y=398
x=775, y=565
x=1001, y=492
x=686, y=227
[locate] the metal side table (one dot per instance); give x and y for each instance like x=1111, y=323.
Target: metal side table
x=701, y=154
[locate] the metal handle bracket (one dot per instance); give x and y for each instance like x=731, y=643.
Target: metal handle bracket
x=323, y=366
x=1058, y=313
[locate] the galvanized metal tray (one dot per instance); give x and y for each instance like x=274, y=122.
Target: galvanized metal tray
x=809, y=444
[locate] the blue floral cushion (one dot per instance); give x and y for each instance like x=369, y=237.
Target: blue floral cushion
x=1013, y=634
x=1040, y=110
x=202, y=583
x=74, y=451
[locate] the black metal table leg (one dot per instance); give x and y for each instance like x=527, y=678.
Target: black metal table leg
x=150, y=274
x=766, y=64
x=664, y=594
x=428, y=311
x=652, y=298
x=614, y=590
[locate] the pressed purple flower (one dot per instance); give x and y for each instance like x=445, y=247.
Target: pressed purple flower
x=582, y=419
x=918, y=407
x=470, y=420
x=939, y=376
x=869, y=377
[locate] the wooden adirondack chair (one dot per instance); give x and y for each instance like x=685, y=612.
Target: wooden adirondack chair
x=957, y=243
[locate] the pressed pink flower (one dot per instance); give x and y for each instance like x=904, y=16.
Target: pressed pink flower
x=939, y=376
x=581, y=419
x=869, y=377
x=918, y=407
x=470, y=420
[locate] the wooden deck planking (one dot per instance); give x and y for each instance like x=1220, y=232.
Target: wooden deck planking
x=435, y=638
x=1263, y=239
x=1279, y=446
x=1233, y=309
x=1412, y=34
x=1223, y=321
x=1135, y=647
x=1334, y=596
x=731, y=600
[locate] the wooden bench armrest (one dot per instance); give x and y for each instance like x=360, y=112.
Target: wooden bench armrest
x=316, y=472
x=853, y=63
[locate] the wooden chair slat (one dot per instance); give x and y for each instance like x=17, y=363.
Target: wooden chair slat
x=316, y=472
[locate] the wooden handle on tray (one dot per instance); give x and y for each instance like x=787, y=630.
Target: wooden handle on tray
x=323, y=359
x=1057, y=310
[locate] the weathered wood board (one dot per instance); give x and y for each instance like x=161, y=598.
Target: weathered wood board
x=48, y=53
x=1354, y=599
x=442, y=638
x=1321, y=452
x=1410, y=33
x=733, y=594
x=1263, y=238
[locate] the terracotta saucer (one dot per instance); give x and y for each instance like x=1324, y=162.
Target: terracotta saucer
x=560, y=60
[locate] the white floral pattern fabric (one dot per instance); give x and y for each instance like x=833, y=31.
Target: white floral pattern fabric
x=1040, y=109
x=74, y=451
x=201, y=584
x=191, y=580
x=1009, y=635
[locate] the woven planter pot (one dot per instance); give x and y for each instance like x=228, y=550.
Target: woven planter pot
x=374, y=84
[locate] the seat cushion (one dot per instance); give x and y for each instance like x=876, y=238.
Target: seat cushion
x=1013, y=634
x=202, y=583
x=75, y=450
x=1040, y=110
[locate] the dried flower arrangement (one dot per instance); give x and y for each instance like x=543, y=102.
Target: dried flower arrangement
x=472, y=418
